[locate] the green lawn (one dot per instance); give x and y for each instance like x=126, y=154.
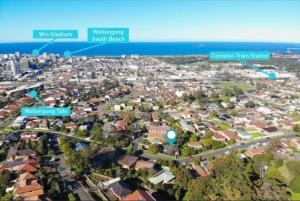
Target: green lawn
x=241, y=85
x=257, y=134
x=285, y=173
x=222, y=125
x=295, y=196
x=295, y=185
x=224, y=98
x=295, y=116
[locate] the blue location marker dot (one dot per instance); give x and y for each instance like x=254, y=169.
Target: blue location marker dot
x=35, y=52
x=171, y=136
x=272, y=76
x=67, y=53
x=33, y=94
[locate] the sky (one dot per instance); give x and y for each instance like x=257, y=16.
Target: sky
x=156, y=20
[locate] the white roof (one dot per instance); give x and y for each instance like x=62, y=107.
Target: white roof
x=164, y=176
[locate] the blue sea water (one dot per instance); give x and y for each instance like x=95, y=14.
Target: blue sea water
x=148, y=48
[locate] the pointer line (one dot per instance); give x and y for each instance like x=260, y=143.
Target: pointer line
x=46, y=45
x=87, y=48
x=40, y=101
x=255, y=68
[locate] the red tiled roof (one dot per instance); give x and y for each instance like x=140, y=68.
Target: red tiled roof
x=128, y=160
x=141, y=164
x=158, y=131
x=255, y=151
x=200, y=171
x=218, y=137
x=228, y=135
x=28, y=188
x=27, y=168
x=140, y=195
x=26, y=175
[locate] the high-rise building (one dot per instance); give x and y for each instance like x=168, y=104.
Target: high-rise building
x=24, y=65
x=14, y=67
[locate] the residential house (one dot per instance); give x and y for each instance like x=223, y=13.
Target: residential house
x=244, y=135
x=128, y=161
x=32, y=124
x=155, y=117
x=144, y=165
x=258, y=125
x=120, y=190
x=195, y=145
x=187, y=127
x=228, y=135
x=120, y=125
x=14, y=153
x=164, y=176
x=186, y=114
x=139, y=195
x=255, y=151
x=270, y=130
x=28, y=136
x=218, y=137
x=27, y=186
x=157, y=134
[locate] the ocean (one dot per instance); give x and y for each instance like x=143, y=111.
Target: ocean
x=148, y=48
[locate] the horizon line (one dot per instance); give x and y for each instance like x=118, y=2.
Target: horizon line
x=140, y=41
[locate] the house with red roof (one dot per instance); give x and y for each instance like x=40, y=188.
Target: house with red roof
x=120, y=125
x=128, y=161
x=27, y=186
x=255, y=151
x=258, y=125
x=228, y=135
x=157, y=134
x=28, y=136
x=139, y=195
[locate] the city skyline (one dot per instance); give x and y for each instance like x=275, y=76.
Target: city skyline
x=157, y=21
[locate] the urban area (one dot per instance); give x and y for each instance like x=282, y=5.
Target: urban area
x=238, y=132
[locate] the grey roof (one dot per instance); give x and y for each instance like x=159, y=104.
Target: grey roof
x=120, y=188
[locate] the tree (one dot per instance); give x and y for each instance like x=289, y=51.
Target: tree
x=7, y=197
x=71, y=197
x=63, y=129
x=154, y=149
x=199, y=94
x=212, y=113
x=237, y=92
x=129, y=117
x=42, y=145
x=187, y=151
x=81, y=133
x=272, y=190
x=232, y=178
x=4, y=181
x=193, y=138
x=296, y=128
x=250, y=104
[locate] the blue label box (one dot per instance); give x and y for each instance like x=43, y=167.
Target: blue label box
x=46, y=111
x=239, y=55
x=55, y=34
x=108, y=35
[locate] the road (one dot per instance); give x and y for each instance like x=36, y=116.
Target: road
x=69, y=180
x=50, y=132
x=218, y=152
x=65, y=172
x=235, y=147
